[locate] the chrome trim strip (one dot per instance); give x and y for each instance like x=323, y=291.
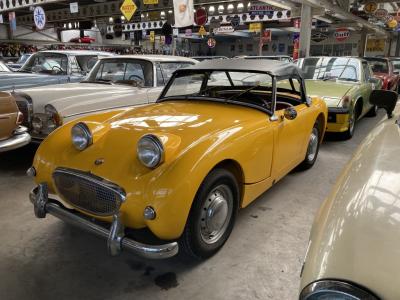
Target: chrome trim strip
x=116, y=239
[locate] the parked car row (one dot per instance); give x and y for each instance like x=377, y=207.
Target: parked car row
x=178, y=147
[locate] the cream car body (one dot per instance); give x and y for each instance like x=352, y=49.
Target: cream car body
x=354, y=242
x=73, y=100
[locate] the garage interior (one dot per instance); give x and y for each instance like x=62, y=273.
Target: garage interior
x=264, y=255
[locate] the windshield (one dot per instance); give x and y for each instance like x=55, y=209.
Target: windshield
x=23, y=59
x=330, y=68
x=396, y=65
x=240, y=87
x=379, y=66
x=46, y=63
x=134, y=72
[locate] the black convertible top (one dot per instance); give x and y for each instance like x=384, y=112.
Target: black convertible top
x=274, y=68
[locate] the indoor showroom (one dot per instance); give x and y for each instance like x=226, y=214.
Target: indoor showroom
x=199, y=149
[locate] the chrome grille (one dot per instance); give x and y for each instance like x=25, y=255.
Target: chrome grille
x=24, y=108
x=88, y=192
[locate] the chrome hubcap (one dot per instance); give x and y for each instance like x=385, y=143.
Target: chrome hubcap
x=216, y=214
x=312, y=145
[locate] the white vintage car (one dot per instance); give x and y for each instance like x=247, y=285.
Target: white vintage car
x=114, y=82
x=354, y=246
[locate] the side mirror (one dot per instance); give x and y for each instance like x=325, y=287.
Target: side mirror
x=384, y=99
x=290, y=113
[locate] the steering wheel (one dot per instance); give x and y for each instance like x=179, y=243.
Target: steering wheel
x=132, y=77
x=57, y=67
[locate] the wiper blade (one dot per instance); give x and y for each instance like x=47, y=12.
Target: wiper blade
x=95, y=81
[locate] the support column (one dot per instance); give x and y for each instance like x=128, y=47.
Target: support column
x=397, y=53
x=363, y=43
x=305, y=30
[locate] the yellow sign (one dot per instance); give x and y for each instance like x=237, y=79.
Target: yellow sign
x=154, y=15
x=255, y=27
x=392, y=24
x=148, y=2
x=128, y=9
x=370, y=7
x=202, y=30
x=376, y=45
x=152, y=36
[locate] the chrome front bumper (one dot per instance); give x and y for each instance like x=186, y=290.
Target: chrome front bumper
x=20, y=138
x=115, y=236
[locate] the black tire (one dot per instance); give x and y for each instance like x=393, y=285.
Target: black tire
x=348, y=134
x=372, y=112
x=193, y=240
x=312, y=149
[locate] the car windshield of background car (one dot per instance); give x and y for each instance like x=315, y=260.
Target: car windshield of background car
x=137, y=73
x=330, y=68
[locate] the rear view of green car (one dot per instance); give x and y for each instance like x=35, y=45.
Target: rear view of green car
x=345, y=84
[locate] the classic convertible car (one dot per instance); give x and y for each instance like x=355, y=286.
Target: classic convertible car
x=12, y=134
x=51, y=67
x=345, y=84
x=220, y=134
x=115, y=82
x=354, y=248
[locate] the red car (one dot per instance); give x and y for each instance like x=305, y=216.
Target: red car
x=384, y=70
x=84, y=40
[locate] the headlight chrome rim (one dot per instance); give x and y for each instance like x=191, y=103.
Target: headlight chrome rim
x=158, y=149
x=328, y=286
x=86, y=138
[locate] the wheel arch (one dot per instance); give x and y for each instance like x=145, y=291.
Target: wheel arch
x=358, y=106
x=321, y=126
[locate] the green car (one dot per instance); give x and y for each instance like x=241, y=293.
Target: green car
x=345, y=84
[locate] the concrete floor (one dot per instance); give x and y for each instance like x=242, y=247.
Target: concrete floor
x=47, y=259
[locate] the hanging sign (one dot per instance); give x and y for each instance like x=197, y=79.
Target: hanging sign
x=255, y=27
x=370, y=7
x=12, y=20
x=260, y=10
x=202, y=31
x=341, y=34
x=39, y=17
x=223, y=29
x=73, y=7
x=211, y=43
x=183, y=13
x=188, y=32
x=150, y=2
x=375, y=45
x=266, y=36
x=392, y=24
x=152, y=36
x=128, y=9
x=200, y=16
x=381, y=13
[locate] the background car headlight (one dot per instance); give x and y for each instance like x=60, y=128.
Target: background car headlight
x=54, y=117
x=150, y=151
x=81, y=136
x=334, y=290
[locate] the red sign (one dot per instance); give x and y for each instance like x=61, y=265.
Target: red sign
x=341, y=34
x=296, y=23
x=200, y=16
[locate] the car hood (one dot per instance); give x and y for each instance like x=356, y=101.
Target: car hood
x=331, y=91
x=79, y=98
x=355, y=236
x=19, y=80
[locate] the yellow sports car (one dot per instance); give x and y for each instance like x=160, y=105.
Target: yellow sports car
x=221, y=133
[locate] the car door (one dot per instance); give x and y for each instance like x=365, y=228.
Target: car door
x=366, y=86
x=291, y=138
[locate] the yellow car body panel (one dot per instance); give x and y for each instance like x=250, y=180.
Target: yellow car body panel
x=197, y=136
x=341, y=124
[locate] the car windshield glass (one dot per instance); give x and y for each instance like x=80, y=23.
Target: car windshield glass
x=23, y=59
x=86, y=62
x=330, y=68
x=396, y=65
x=379, y=66
x=47, y=63
x=134, y=72
x=239, y=87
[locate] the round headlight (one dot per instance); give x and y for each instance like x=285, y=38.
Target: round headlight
x=37, y=123
x=150, y=151
x=332, y=289
x=81, y=136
